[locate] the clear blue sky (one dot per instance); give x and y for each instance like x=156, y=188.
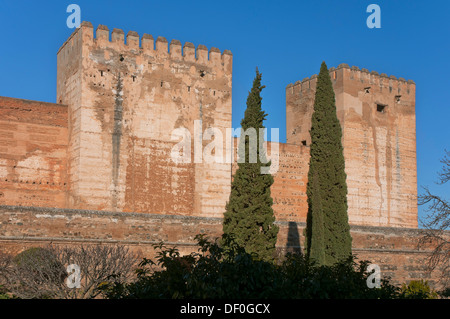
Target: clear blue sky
x=287, y=40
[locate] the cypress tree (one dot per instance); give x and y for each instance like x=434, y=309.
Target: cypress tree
x=249, y=217
x=315, y=225
x=327, y=188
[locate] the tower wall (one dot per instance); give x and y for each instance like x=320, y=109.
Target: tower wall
x=125, y=100
x=377, y=115
x=289, y=168
x=33, y=151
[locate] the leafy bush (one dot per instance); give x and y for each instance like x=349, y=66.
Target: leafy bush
x=445, y=293
x=214, y=273
x=418, y=289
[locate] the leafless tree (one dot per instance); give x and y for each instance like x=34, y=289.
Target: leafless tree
x=437, y=225
x=44, y=272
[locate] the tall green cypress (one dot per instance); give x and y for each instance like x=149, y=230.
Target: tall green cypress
x=315, y=225
x=249, y=217
x=327, y=187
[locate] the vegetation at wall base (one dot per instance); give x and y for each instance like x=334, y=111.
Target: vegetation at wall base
x=216, y=273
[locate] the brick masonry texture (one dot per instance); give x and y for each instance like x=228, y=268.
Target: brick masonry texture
x=396, y=250
x=33, y=153
x=96, y=167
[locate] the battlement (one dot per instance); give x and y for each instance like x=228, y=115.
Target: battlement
x=146, y=45
x=344, y=71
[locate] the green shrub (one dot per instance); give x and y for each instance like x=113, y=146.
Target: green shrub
x=234, y=274
x=418, y=289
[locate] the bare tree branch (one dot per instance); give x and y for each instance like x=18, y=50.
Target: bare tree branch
x=436, y=225
x=42, y=273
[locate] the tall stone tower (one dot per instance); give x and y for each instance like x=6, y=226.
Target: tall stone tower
x=377, y=115
x=125, y=99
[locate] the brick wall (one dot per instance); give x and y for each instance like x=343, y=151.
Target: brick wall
x=33, y=153
x=394, y=249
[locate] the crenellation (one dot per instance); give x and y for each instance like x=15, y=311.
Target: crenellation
x=189, y=52
x=147, y=43
x=175, y=49
x=102, y=33
x=202, y=54
x=215, y=56
x=374, y=78
x=161, y=46
x=118, y=36
x=133, y=40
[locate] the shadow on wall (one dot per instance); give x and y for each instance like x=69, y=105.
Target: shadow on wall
x=293, y=239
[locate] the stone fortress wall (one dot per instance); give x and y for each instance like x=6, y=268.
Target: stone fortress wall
x=96, y=168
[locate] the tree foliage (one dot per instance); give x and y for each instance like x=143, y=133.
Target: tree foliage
x=328, y=238
x=249, y=216
x=217, y=273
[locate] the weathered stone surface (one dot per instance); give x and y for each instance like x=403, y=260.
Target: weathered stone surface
x=124, y=103
x=33, y=158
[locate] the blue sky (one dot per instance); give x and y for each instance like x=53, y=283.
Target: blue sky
x=286, y=40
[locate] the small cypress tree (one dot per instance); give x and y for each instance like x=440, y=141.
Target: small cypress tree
x=327, y=187
x=249, y=217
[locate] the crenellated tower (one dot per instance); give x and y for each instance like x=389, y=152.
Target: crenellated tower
x=125, y=98
x=377, y=115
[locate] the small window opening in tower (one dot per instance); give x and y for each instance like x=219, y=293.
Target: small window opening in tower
x=202, y=73
x=162, y=82
x=133, y=77
x=381, y=108
x=101, y=73
x=367, y=89
x=121, y=58
x=189, y=89
x=304, y=142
